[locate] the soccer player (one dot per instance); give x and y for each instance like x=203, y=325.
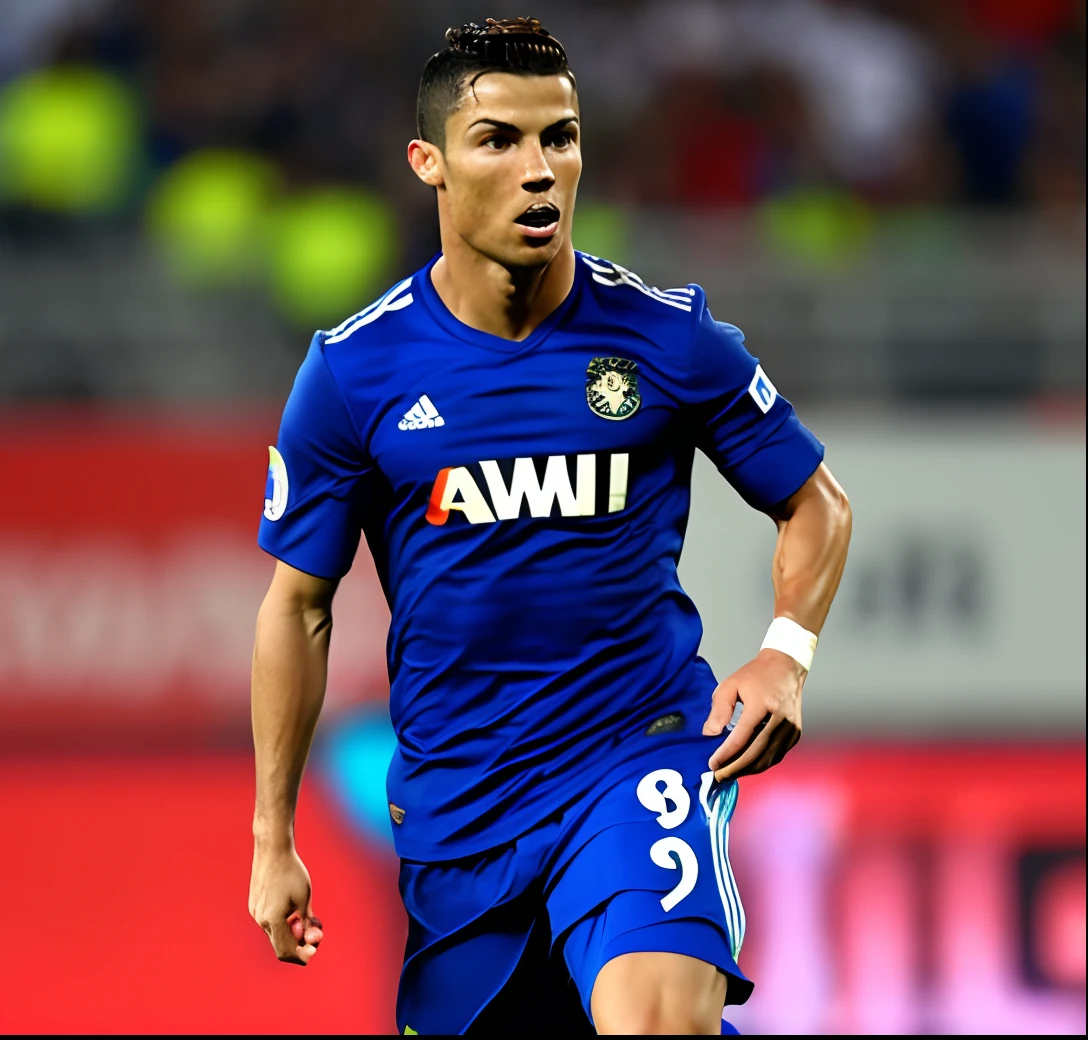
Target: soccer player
x=513, y=428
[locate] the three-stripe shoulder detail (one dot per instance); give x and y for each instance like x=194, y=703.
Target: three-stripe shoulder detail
x=607, y=273
x=394, y=300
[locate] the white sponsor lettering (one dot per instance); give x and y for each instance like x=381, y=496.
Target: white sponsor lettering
x=472, y=502
x=455, y=489
x=540, y=495
x=617, y=483
x=587, y=485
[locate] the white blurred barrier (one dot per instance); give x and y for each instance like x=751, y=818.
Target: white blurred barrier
x=962, y=605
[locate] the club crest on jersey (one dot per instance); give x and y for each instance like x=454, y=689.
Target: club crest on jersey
x=612, y=387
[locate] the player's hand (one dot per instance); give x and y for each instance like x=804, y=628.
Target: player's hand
x=280, y=902
x=769, y=687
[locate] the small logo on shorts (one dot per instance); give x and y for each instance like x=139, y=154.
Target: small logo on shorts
x=396, y=812
x=666, y=724
x=612, y=387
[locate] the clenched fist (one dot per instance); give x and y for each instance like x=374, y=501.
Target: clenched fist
x=280, y=902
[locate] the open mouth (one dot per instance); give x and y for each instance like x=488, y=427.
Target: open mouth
x=540, y=216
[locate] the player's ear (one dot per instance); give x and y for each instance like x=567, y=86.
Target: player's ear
x=426, y=160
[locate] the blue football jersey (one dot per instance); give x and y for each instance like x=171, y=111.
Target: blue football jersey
x=525, y=504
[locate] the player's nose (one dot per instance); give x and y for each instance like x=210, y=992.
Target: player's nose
x=538, y=174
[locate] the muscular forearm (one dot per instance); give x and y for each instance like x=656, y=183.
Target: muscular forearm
x=811, y=552
x=290, y=662
x=813, y=535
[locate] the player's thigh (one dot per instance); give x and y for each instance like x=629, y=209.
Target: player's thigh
x=657, y=993
x=646, y=872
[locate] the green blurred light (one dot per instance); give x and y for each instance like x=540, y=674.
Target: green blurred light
x=330, y=251
x=602, y=230
x=69, y=140
x=208, y=212
x=822, y=227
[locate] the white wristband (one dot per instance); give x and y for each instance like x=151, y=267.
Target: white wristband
x=790, y=638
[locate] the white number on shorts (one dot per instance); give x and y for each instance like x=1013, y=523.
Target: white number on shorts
x=661, y=852
x=657, y=801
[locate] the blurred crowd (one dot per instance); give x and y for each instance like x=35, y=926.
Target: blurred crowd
x=915, y=102
x=700, y=102
x=215, y=123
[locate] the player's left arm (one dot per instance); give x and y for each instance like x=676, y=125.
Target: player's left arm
x=813, y=536
x=761, y=447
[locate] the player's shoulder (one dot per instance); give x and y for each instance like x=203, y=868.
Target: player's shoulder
x=381, y=321
x=624, y=294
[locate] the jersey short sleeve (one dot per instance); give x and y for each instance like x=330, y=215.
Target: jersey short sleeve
x=743, y=424
x=318, y=477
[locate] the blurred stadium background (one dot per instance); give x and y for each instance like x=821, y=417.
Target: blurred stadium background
x=888, y=197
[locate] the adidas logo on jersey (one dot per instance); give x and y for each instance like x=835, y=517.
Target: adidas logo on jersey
x=421, y=416
x=488, y=491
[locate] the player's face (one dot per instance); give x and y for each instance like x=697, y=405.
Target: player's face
x=511, y=166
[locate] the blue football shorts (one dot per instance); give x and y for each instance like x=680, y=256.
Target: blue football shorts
x=513, y=938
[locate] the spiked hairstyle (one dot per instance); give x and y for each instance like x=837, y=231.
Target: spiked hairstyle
x=521, y=46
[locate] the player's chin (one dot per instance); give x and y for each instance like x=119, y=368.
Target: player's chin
x=535, y=251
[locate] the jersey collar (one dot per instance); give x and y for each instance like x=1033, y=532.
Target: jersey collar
x=455, y=327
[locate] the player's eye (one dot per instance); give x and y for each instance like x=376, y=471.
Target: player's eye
x=562, y=139
x=496, y=144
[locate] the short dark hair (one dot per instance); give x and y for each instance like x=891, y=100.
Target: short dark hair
x=518, y=45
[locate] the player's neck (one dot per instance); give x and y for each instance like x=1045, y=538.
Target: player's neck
x=491, y=298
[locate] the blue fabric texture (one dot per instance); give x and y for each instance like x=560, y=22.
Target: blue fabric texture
x=525, y=504
x=588, y=876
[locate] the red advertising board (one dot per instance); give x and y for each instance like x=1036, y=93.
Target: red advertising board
x=888, y=889
x=130, y=578
x=135, y=874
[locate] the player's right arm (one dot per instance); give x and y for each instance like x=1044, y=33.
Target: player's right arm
x=290, y=663
x=319, y=475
